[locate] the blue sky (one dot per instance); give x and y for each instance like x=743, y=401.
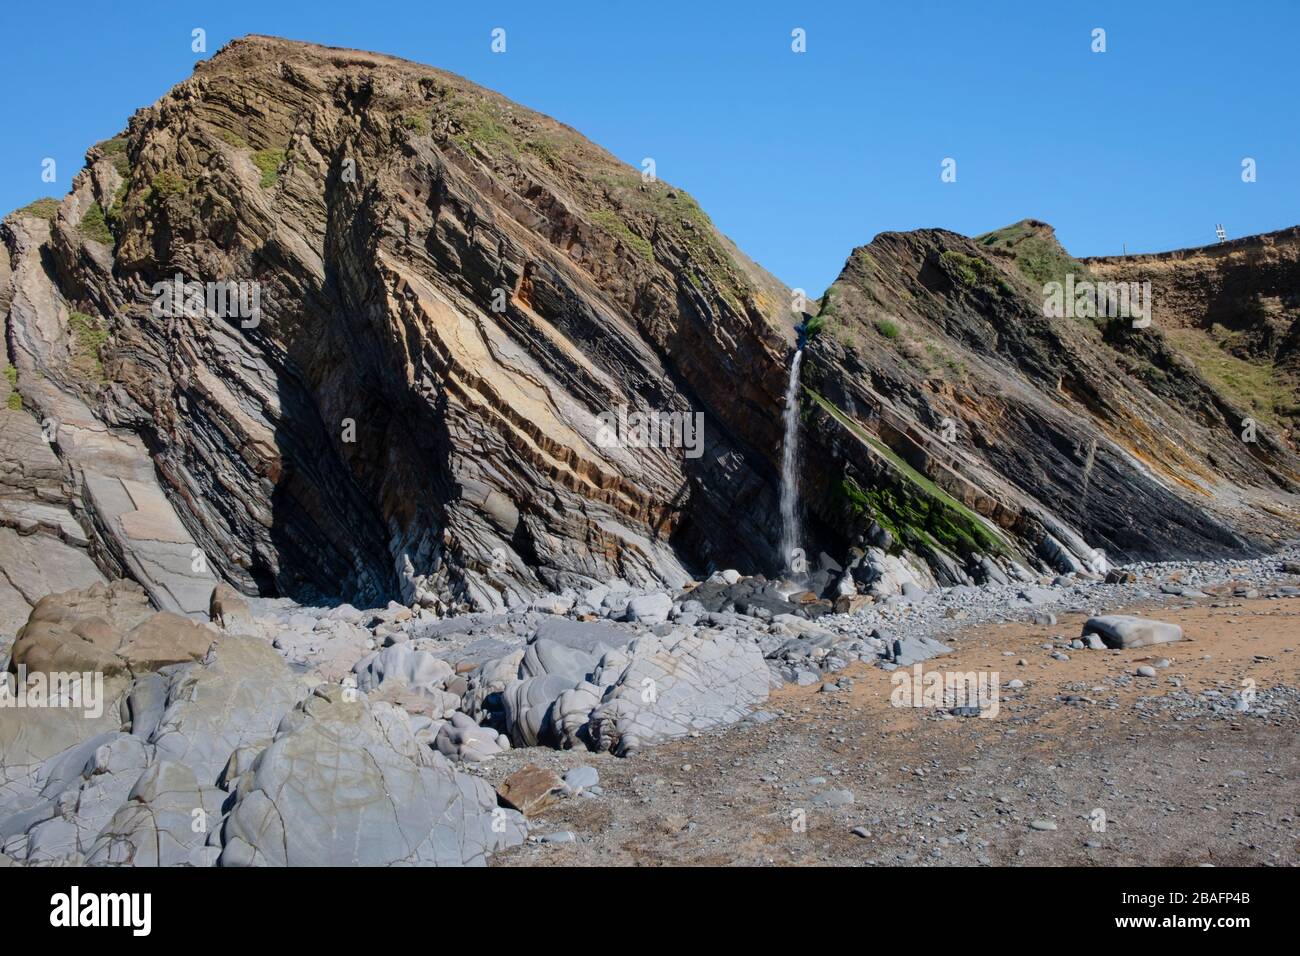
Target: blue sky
x=798, y=157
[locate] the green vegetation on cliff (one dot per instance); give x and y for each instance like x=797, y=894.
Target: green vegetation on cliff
x=46, y=208
x=269, y=162
x=114, y=150
x=15, y=401
x=89, y=335
x=1260, y=388
x=95, y=226
x=167, y=185
x=620, y=230
x=1036, y=253
x=975, y=273
x=913, y=509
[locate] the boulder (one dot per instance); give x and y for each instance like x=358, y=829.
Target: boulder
x=664, y=688
x=235, y=699
x=164, y=639
x=531, y=790
x=346, y=783
x=1124, y=631
x=527, y=706
x=460, y=739
x=80, y=630
x=165, y=821
x=229, y=611
x=852, y=603
x=649, y=609
x=581, y=778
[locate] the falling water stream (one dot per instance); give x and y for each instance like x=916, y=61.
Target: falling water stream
x=789, y=468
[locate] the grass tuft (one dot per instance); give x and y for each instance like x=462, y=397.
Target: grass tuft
x=114, y=150
x=887, y=328
x=94, y=226
x=89, y=336
x=15, y=401
x=46, y=208
x=269, y=162
x=167, y=185
x=613, y=224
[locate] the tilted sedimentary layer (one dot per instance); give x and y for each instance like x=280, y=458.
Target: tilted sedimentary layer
x=936, y=361
x=451, y=291
x=419, y=306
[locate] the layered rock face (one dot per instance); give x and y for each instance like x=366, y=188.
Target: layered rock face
x=329, y=326
x=333, y=325
x=450, y=292
x=961, y=413
x=1234, y=309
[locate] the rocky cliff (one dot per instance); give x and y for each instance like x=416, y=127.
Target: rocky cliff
x=1234, y=310
x=954, y=406
x=329, y=324
x=450, y=291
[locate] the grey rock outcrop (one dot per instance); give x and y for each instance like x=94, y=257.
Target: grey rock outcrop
x=345, y=783
x=663, y=688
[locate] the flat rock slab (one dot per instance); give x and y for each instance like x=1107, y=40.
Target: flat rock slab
x=531, y=790
x=1123, y=631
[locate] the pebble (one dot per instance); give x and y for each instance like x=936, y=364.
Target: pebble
x=833, y=798
x=581, y=778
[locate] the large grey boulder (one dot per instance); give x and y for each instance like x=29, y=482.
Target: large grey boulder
x=664, y=688
x=79, y=791
x=461, y=739
x=1125, y=631
x=528, y=704
x=649, y=609
x=234, y=699
x=556, y=663
x=345, y=783
x=401, y=664
x=229, y=611
x=165, y=821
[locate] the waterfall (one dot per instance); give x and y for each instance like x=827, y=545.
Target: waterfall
x=790, y=534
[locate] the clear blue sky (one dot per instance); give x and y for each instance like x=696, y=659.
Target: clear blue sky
x=798, y=157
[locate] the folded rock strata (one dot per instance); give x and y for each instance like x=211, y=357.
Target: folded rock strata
x=445, y=305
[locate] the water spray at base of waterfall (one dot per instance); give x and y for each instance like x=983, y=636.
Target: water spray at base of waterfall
x=790, y=531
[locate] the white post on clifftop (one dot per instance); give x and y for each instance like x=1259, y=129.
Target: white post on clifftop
x=1221, y=232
